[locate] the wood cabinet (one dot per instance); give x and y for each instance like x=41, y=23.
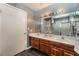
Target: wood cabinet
x=45, y=46
x=62, y=49
x=55, y=51
x=52, y=48
x=69, y=53
x=66, y=53
x=35, y=43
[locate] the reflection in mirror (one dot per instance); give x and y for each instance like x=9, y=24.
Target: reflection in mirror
x=62, y=24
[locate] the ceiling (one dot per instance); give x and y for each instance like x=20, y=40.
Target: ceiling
x=37, y=6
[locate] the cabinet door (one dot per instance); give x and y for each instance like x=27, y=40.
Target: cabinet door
x=45, y=48
x=35, y=43
x=56, y=51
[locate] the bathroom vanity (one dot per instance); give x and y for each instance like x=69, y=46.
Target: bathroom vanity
x=52, y=45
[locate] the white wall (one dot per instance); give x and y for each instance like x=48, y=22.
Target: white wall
x=30, y=14
x=12, y=29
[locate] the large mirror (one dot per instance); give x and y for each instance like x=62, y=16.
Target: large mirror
x=62, y=24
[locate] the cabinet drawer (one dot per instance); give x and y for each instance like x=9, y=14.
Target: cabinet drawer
x=46, y=44
x=34, y=39
x=44, y=41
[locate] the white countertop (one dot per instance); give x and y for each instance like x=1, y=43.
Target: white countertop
x=57, y=38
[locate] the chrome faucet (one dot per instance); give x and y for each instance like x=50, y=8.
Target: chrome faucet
x=62, y=37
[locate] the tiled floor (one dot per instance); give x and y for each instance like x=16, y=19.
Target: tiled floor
x=31, y=52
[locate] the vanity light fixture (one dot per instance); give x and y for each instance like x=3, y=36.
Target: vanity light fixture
x=60, y=11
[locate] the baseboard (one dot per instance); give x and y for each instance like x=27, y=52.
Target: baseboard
x=28, y=48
